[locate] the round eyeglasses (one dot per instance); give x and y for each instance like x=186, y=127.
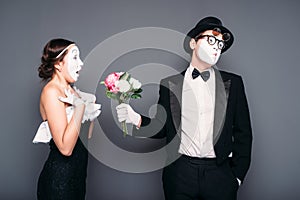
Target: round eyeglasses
x=212, y=40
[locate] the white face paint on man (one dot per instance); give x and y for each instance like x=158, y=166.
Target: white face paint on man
x=74, y=62
x=208, y=53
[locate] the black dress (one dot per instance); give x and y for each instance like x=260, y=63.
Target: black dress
x=64, y=177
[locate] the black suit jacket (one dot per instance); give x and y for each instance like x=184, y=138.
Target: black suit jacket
x=232, y=127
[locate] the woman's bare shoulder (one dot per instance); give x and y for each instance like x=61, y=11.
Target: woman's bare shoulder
x=50, y=94
x=50, y=90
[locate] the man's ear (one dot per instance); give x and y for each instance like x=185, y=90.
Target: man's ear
x=193, y=43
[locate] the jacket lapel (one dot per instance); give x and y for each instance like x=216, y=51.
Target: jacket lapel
x=175, y=87
x=222, y=93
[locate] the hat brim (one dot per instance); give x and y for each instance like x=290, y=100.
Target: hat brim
x=199, y=29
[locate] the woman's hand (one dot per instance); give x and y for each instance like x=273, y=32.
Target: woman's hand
x=87, y=97
x=71, y=98
x=92, y=110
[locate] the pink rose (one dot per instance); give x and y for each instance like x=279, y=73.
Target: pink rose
x=111, y=80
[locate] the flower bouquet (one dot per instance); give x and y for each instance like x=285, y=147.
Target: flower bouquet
x=122, y=87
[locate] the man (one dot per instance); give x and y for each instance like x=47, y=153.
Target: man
x=205, y=113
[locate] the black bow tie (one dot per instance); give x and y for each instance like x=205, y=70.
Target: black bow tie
x=205, y=75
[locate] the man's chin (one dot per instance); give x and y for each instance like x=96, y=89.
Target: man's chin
x=210, y=62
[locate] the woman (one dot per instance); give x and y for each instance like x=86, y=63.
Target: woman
x=63, y=109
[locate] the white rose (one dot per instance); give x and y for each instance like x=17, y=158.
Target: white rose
x=135, y=83
x=123, y=85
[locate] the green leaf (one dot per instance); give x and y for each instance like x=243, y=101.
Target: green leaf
x=125, y=76
x=111, y=95
x=102, y=82
x=136, y=96
x=138, y=90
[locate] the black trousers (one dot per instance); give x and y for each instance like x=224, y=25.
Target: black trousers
x=199, y=179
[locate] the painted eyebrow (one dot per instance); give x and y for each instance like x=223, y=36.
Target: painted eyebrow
x=74, y=51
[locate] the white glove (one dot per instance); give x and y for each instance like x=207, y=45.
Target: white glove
x=87, y=97
x=71, y=98
x=91, y=112
x=126, y=113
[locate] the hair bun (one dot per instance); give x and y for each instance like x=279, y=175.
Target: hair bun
x=48, y=60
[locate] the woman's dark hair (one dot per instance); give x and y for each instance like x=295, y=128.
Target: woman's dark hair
x=51, y=50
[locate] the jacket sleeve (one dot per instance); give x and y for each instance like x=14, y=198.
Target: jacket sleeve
x=156, y=127
x=242, y=134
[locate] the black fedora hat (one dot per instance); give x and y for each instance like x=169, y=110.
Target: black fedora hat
x=207, y=23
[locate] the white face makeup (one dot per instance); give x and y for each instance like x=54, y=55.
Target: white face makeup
x=74, y=62
x=208, y=53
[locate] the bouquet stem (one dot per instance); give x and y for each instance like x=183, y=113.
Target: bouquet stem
x=124, y=128
x=123, y=123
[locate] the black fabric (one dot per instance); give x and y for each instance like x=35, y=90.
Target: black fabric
x=204, y=75
x=199, y=179
x=64, y=177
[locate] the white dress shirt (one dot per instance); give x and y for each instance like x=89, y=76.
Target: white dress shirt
x=198, y=105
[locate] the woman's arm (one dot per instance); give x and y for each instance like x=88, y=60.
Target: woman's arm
x=63, y=133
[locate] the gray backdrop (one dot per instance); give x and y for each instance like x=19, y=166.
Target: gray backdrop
x=265, y=53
